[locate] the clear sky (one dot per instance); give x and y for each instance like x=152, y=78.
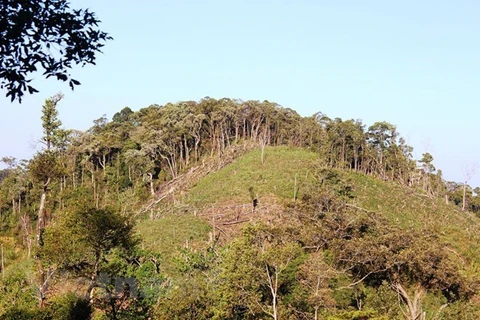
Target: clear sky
x=415, y=64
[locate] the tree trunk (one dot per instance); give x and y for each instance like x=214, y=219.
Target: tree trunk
x=273, y=284
x=3, y=265
x=186, y=150
x=413, y=304
x=152, y=190
x=93, y=280
x=25, y=223
x=42, y=213
x=263, y=143
x=44, y=283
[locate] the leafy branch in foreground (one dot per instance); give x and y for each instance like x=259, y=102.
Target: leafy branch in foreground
x=46, y=34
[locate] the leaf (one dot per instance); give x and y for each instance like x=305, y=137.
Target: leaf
x=61, y=76
x=31, y=89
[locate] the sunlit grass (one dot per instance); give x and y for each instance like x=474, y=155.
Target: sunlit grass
x=275, y=177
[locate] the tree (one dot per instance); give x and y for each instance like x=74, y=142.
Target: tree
x=381, y=136
x=468, y=173
x=412, y=262
x=45, y=34
x=81, y=240
x=426, y=161
x=314, y=276
x=258, y=271
x=45, y=165
x=428, y=168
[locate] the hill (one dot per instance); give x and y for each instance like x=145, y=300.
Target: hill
x=372, y=213
x=230, y=209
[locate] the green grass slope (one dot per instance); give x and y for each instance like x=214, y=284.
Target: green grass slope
x=276, y=177
x=288, y=170
x=405, y=208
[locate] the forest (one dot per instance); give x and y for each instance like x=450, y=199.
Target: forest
x=231, y=209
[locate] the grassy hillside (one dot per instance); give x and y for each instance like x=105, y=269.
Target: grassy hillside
x=213, y=201
x=274, y=178
x=401, y=206
x=407, y=209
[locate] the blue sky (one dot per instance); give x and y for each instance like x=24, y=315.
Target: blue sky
x=415, y=64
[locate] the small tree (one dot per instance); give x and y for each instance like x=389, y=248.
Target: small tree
x=81, y=241
x=257, y=270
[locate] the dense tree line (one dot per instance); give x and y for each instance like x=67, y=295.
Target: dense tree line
x=142, y=149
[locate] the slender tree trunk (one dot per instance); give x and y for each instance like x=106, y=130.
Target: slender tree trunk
x=44, y=277
x=103, y=163
x=152, y=190
x=197, y=142
x=273, y=284
x=25, y=223
x=93, y=280
x=187, y=151
x=42, y=213
x=3, y=265
x=42, y=290
x=464, y=195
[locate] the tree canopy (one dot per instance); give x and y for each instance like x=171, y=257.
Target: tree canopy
x=44, y=36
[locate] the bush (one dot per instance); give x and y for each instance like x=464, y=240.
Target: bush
x=69, y=306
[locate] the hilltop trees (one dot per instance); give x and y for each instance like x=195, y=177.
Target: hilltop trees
x=143, y=149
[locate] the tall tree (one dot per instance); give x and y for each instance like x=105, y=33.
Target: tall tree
x=45, y=165
x=468, y=173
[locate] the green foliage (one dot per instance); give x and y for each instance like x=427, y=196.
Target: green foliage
x=258, y=273
x=69, y=306
x=171, y=232
x=358, y=315
x=32, y=29
x=349, y=229
x=191, y=295
x=189, y=299
x=45, y=166
x=18, y=294
x=384, y=300
x=85, y=236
